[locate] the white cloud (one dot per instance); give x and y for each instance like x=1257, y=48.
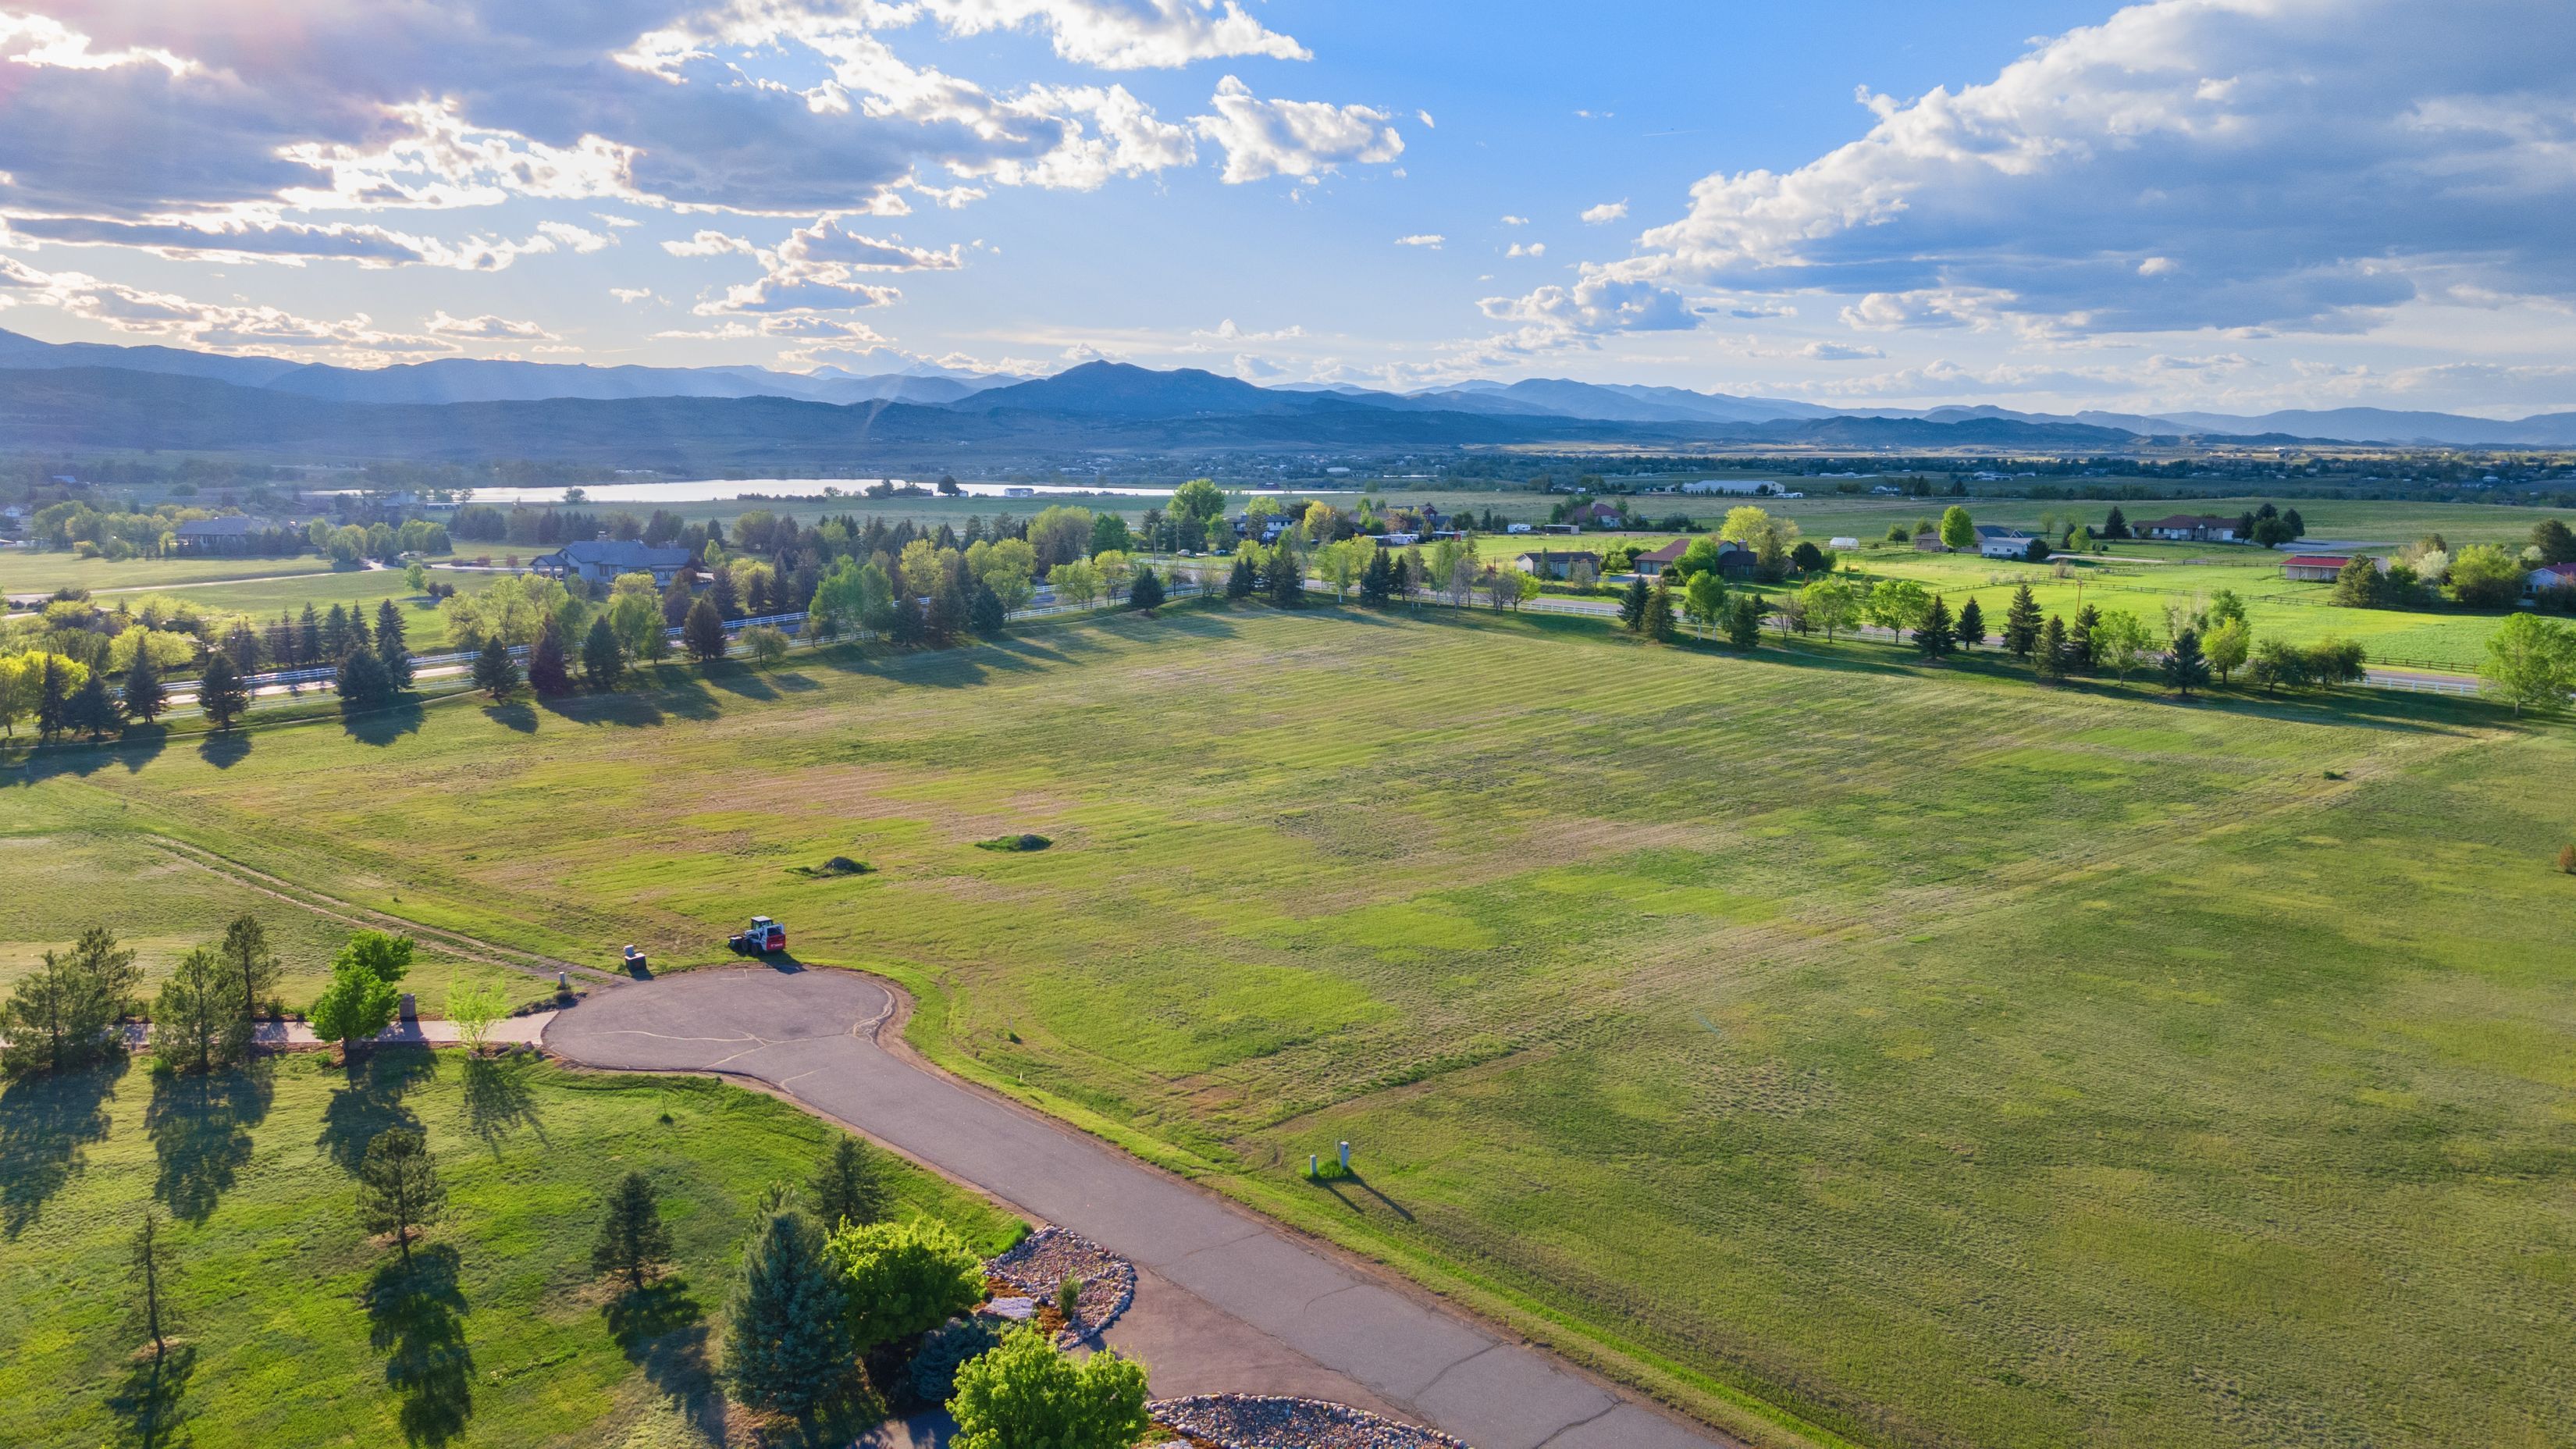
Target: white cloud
x=1227, y=332
x=630, y=294
x=817, y=268
x=1431, y=239
x=1126, y=34
x=1515, y=221
x=1254, y=369
x=1605, y=213
x=1292, y=138
x=488, y=328
x=1424, y=117
x=1838, y=352
x=209, y=326
x=1532, y=249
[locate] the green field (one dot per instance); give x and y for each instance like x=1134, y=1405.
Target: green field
x=282, y=1341
x=1946, y=1059
x=24, y=572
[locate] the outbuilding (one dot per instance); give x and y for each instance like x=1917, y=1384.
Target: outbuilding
x=2313, y=568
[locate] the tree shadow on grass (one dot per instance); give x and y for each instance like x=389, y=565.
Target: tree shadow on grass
x=685, y=695
x=372, y=1100
x=382, y=727
x=739, y=679
x=47, y=1122
x=224, y=748
x=201, y=1131
x=795, y=681
x=512, y=714
x=149, y=1405
x=630, y=709
x=662, y=1329
x=417, y=1319
x=499, y=1103
x=141, y=745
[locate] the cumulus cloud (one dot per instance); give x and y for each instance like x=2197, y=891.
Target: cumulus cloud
x=817, y=268
x=1431, y=239
x=488, y=328
x=1126, y=34
x=2289, y=164
x=1838, y=352
x=1292, y=138
x=1605, y=213
x=1254, y=369
x=1515, y=221
x=1227, y=332
x=1532, y=249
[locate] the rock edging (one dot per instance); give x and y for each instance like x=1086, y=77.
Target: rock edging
x=1256, y=1421
x=1045, y=1258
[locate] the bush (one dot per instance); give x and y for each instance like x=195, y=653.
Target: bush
x=902, y=1279
x=2567, y=859
x=1015, y=843
x=943, y=1352
x=1027, y=1392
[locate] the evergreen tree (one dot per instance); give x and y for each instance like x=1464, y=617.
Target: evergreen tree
x=2294, y=525
x=194, y=1025
x=395, y=655
x=787, y=1336
x=1632, y=606
x=2186, y=669
x=1744, y=622
x=144, y=696
x=2021, y=623
x=1147, y=592
x=1657, y=621
x=728, y=603
x=249, y=967
x=1934, y=635
x=2079, y=640
x=984, y=612
x=633, y=1240
x=704, y=633
x=389, y=626
x=495, y=672
x=63, y=1013
x=53, y=701
x=359, y=638
x=1240, y=583
x=335, y=633
x=850, y=1186
x=398, y=1187
x=907, y=628
x=363, y=682
x=601, y=660
x=1287, y=577
x=91, y=710
x=2117, y=525
x=549, y=672
x=308, y=638
x=676, y=601
x=1972, y=625
x=2053, y=649
x=946, y=619
x=1377, y=579
x=220, y=691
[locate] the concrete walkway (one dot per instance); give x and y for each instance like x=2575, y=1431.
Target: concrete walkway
x=1225, y=1300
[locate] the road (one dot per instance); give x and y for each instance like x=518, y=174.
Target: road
x=1226, y=1300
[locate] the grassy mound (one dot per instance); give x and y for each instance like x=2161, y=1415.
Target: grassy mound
x=1015, y=842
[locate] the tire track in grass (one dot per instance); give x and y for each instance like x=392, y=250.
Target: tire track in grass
x=527, y=963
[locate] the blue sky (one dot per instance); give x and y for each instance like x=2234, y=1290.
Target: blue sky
x=2236, y=204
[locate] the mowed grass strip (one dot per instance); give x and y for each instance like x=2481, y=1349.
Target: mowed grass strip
x=281, y=1337
x=1948, y=1059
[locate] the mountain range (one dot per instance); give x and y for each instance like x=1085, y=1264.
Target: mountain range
x=92, y=395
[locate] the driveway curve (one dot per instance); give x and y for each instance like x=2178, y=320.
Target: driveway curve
x=1226, y=1301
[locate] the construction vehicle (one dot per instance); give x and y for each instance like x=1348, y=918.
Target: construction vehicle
x=764, y=938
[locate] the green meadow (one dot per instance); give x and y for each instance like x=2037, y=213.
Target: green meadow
x=293, y=1328
x=1919, y=1055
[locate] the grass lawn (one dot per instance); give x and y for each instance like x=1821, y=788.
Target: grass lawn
x=1947, y=1059
x=295, y=1330
x=424, y=628
x=25, y=572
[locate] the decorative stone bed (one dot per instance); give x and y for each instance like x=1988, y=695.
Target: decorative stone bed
x=1045, y=1258
x=1250, y=1421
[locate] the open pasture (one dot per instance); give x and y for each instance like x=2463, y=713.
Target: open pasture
x=1946, y=1059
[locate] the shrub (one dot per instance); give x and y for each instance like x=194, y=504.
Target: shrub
x=902, y=1279
x=2567, y=859
x=1027, y=1392
x=944, y=1351
x=1015, y=843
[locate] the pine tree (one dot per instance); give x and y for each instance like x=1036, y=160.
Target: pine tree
x=144, y=696
x=1147, y=592
x=335, y=633
x=850, y=1185
x=359, y=638
x=1632, y=606
x=984, y=612
x=398, y=1187
x=601, y=660
x=151, y=1257
x=1972, y=625
x=1240, y=583
x=728, y=603
x=363, y=682
x=63, y=1013
x=787, y=1338
x=704, y=633
x=1656, y=622
x=90, y=710
x=249, y=967
x=2186, y=668
x=308, y=638
x=1933, y=636
x=495, y=672
x=548, y=670
x=907, y=629
x=2053, y=649
x=389, y=625
x=220, y=691
x=947, y=616
x=2117, y=525
x=2079, y=640
x=1744, y=622
x=2021, y=623
x=53, y=701
x=676, y=601
x=394, y=652
x=1287, y=577
x=1377, y=580
x=633, y=1240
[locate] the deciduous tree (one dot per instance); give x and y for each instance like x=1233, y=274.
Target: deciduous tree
x=1027, y=1392
x=902, y=1279
x=2531, y=662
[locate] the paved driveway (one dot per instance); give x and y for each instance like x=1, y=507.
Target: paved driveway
x=1225, y=1301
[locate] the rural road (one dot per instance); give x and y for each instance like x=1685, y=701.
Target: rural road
x=1225, y=1301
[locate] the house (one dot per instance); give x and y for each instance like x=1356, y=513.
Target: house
x=239, y=533
x=602, y=560
x=1551, y=563
x=1994, y=541
x=2313, y=568
x=2547, y=577
x=1929, y=541
x=1734, y=560
x=1595, y=515
x=2191, y=528
x=1653, y=562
